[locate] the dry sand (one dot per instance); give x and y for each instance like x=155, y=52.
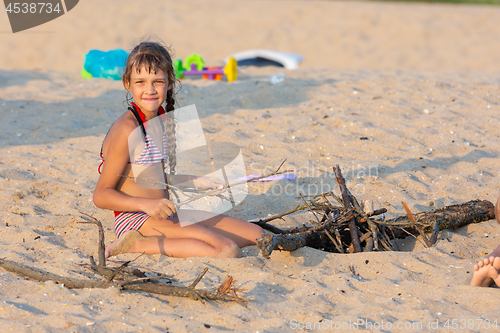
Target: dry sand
x=420, y=81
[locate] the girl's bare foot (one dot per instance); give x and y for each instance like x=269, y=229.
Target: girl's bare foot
x=123, y=244
x=481, y=277
x=494, y=270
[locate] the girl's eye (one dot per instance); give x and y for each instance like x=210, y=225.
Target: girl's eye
x=160, y=82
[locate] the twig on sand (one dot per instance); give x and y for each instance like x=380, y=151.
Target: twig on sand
x=101, y=245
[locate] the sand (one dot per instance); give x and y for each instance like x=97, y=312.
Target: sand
x=419, y=81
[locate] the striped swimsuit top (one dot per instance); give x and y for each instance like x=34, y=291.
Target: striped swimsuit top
x=151, y=155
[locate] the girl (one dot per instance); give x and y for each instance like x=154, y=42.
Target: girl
x=144, y=218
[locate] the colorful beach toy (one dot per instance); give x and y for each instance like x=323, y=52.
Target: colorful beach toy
x=104, y=64
x=193, y=65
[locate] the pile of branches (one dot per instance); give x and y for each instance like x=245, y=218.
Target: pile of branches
x=342, y=225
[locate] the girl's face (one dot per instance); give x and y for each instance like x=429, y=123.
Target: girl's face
x=149, y=90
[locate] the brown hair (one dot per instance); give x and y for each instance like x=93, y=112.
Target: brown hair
x=153, y=56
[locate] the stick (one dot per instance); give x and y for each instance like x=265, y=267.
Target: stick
x=368, y=210
x=278, y=169
x=435, y=233
x=101, y=245
x=337, y=235
x=387, y=239
x=117, y=270
x=333, y=241
x=369, y=245
x=347, y=205
x=308, y=206
x=276, y=230
x=198, y=279
x=121, y=267
x=274, y=217
x=418, y=227
x=394, y=237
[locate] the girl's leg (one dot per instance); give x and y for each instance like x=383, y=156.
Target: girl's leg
x=169, y=238
x=214, y=236
x=241, y=232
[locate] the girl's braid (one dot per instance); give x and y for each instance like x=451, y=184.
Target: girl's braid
x=170, y=132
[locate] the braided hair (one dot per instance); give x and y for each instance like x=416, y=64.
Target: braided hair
x=153, y=56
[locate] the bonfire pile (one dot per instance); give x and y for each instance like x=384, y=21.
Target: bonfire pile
x=342, y=225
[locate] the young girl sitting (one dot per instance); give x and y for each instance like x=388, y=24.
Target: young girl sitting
x=144, y=217
x=487, y=271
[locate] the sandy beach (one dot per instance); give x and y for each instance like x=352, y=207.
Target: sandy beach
x=418, y=82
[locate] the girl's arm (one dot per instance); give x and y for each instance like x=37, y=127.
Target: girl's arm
x=117, y=157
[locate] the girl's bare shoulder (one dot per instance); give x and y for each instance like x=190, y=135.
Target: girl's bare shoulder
x=121, y=130
x=125, y=124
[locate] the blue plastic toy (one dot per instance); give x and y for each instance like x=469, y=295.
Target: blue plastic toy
x=107, y=65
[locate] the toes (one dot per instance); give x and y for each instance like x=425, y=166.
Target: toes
x=493, y=273
x=496, y=263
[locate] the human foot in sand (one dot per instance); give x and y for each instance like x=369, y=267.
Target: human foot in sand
x=494, y=270
x=481, y=277
x=123, y=244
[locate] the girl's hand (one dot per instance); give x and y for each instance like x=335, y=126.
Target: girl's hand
x=208, y=184
x=159, y=208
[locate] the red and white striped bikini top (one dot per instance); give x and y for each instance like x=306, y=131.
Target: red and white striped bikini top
x=151, y=154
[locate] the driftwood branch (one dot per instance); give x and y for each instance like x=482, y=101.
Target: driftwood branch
x=155, y=288
x=101, y=245
x=450, y=217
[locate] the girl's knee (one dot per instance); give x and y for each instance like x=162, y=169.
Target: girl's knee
x=254, y=232
x=258, y=231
